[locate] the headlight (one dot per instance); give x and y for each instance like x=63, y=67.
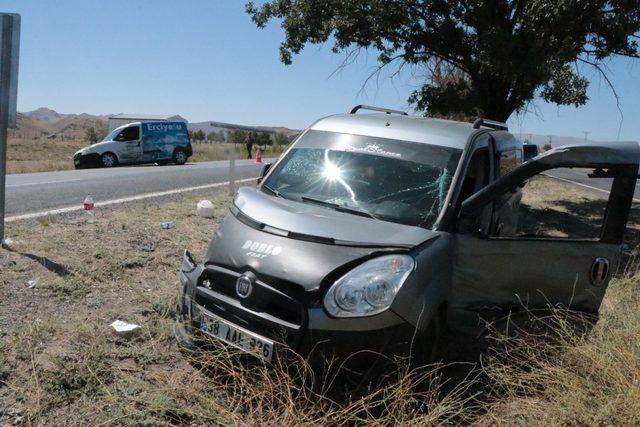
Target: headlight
x=369, y=288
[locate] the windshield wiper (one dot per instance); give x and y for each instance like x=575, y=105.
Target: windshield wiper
x=272, y=190
x=337, y=207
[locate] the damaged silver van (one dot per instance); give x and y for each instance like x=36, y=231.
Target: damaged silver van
x=374, y=230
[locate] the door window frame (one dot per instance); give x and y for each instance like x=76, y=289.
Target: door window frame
x=449, y=215
x=616, y=213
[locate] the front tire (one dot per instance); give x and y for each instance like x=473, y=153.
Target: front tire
x=180, y=157
x=108, y=160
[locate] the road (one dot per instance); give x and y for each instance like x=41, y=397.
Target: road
x=45, y=191
x=597, y=185
x=35, y=193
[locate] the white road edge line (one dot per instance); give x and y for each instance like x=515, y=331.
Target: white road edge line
x=67, y=209
x=586, y=186
x=26, y=184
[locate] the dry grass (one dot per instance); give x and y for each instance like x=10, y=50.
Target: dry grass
x=27, y=155
x=207, y=152
x=61, y=364
x=567, y=377
x=41, y=154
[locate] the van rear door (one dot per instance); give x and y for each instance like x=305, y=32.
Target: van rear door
x=162, y=138
x=566, y=242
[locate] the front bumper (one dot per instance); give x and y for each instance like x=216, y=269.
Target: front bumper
x=315, y=335
x=86, y=160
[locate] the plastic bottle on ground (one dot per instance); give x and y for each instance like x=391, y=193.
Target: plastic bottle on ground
x=88, y=209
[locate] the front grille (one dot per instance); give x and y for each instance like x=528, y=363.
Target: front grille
x=264, y=299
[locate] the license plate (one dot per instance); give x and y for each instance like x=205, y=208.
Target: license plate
x=236, y=336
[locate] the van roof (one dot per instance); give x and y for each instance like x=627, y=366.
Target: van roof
x=446, y=133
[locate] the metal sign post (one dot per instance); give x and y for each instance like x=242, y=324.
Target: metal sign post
x=232, y=170
x=9, y=52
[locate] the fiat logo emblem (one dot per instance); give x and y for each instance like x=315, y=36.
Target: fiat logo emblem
x=244, y=286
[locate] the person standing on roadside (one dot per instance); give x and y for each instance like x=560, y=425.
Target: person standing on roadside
x=250, y=141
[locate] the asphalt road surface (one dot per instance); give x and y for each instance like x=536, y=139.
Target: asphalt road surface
x=46, y=191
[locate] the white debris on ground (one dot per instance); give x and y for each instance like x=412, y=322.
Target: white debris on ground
x=122, y=327
x=167, y=225
x=205, y=209
x=32, y=283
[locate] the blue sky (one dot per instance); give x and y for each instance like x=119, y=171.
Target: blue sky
x=205, y=59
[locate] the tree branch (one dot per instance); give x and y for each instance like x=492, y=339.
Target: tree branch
x=604, y=75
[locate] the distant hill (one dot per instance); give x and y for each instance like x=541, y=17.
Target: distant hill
x=45, y=114
x=49, y=124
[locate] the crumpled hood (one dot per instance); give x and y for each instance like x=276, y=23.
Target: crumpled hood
x=307, y=243
x=313, y=220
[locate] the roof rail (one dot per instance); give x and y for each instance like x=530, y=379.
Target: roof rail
x=382, y=110
x=490, y=124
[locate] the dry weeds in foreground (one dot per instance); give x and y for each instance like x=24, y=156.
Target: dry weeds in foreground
x=562, y=375
x=60, y=363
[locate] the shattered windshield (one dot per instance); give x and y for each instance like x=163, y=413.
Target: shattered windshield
x=390, y=180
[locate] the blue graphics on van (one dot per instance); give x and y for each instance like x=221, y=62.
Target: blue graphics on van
x=161, y=138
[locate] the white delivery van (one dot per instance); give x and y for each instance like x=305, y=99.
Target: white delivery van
x=139, y=142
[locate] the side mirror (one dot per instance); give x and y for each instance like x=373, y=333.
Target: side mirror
x=264, y=171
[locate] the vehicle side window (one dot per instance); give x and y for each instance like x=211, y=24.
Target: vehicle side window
x=131, y=133
x=508, y=152
x=553, y=205
x=509, y=161
x=478, y=174
x=477, y=177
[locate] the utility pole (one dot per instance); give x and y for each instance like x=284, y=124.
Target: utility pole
x=9, y=48
x=586, y=134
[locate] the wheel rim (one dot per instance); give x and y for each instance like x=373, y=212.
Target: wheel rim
x=108, y=160
x=181, y=157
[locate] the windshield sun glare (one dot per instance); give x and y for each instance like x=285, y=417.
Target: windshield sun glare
x=390, y=180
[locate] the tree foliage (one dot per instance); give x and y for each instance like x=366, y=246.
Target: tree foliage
x=264, y=138
x=216, y=137
x=237, y=137
x=280, y=139
x=198, y=136
x=497, y=54
x=91, y=135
